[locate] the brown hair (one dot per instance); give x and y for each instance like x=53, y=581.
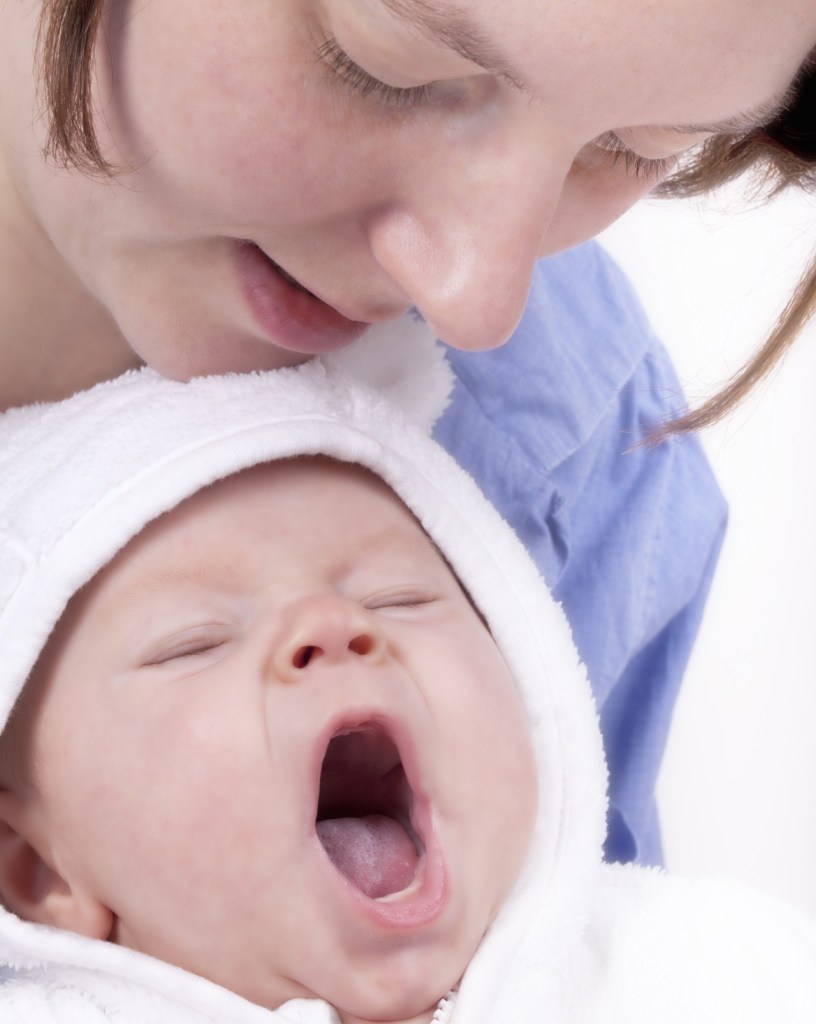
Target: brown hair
x=781, y=155
x=66, y=42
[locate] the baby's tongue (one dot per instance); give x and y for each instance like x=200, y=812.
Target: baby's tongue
x=374, y=852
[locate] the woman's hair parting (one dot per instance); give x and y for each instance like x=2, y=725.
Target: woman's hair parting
x=780, y=155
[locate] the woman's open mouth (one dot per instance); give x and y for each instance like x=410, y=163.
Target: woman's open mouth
x=288, y=313
x=364, y=813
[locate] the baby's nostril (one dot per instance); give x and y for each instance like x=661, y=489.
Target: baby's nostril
x=302, y=656
x=362, y=644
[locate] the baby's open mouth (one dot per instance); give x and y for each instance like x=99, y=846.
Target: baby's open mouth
x=364, y=812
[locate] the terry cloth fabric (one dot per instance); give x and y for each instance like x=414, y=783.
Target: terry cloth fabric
x=576, y=940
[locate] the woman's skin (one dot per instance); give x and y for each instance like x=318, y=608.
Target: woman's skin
x=233, y=122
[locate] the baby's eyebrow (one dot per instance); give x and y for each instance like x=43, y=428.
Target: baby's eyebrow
x=453, y=29
x=389, y=540
x=197, y=573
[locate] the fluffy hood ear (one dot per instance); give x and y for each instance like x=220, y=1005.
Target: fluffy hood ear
x=82, y=477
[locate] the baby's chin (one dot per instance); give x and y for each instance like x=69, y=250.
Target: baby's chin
x=416, y=1007
x=425, y=1016
x=405, y=989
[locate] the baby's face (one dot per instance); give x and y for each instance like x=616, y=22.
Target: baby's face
x=279, y=746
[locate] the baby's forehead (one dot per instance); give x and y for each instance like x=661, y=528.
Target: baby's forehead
x=306, y=510
x=273, y=519
x=274, y=528
x=301, y=498
x=306, y=482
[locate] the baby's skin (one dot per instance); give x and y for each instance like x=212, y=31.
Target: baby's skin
x=272, y=742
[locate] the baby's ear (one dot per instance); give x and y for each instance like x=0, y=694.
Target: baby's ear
x=30, y=885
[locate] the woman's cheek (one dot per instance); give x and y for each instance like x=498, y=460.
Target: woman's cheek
x=597, y=190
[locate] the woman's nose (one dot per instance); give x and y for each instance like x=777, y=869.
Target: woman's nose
x=463, y=243
x=325, y=630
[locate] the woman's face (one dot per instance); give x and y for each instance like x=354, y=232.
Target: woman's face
x=384, y=154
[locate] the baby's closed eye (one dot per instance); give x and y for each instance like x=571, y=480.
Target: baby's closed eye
x=401, y=600
x=190, y=642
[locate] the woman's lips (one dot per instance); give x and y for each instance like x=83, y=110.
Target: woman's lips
x=290, y=316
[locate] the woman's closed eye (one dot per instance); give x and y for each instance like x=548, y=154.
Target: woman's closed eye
x=642, y=167
x=361, y=82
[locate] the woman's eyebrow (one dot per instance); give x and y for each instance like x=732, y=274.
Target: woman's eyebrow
x=759, y=116
x=453, y=29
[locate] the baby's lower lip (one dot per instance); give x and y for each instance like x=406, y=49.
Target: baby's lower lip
x=290, y=316
x=417, y=906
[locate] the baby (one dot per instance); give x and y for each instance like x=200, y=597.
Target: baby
x=267, y=762
x=273, y=743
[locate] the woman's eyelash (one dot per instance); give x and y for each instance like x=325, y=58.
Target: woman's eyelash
x=639, y=166
x=359, y=81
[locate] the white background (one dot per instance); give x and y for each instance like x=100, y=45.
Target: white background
x=738, y=788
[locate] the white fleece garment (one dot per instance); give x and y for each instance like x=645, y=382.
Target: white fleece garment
x=576, y=941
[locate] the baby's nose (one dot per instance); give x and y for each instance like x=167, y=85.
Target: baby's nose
x=325, y=630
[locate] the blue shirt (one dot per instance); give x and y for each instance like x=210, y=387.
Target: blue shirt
x=627, y=537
